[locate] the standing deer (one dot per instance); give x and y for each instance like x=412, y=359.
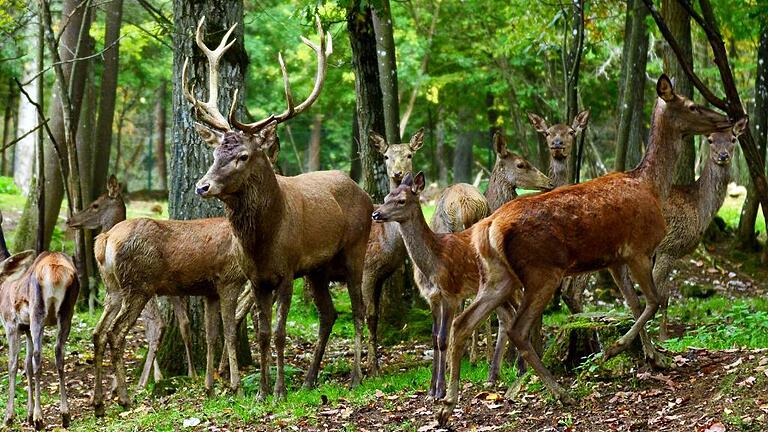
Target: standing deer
x=445, y=268
x=609, y=222
x=102, y=214
x=385, y=252
x=314, y=225
x=690, y=209
x=560, y=140
x=35, y=293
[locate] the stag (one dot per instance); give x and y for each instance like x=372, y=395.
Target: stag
x=314, y=225
x=610, y=222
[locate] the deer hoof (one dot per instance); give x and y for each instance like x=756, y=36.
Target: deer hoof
x=99, y=410
x=38, y=424
x=443, y=414
x=65, y=419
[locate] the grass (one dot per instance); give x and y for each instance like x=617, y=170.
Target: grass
x=731, y=212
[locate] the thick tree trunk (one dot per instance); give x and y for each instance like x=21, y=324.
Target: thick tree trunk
x=10, y=102
x=629, y=133
x=26, y=119
x=160, y=126
x=85, y=153
x=190, y=157
x=313, y=151
x=387, y=62
x=355, y=168
x=441, y=151
x=759, y=123
x=680, y=25
x=108, y=95
x=572, y=65
x=462, y=155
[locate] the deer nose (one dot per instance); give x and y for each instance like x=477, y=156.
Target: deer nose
x=376, y=216
x=398, y=174
x=723, y=156
x=201, y=190
x=557, y=143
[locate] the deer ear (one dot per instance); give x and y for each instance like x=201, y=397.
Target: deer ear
x=740, y=126
x=664, y=88
x=212, y=137
x=417, y=140
x=407, y=179
x=113, y=187
x=419, y=182
x=538, y=123
x=580, y=121
x=16, y=263
x=269, y=142
x=378, y=142
x=500, y=144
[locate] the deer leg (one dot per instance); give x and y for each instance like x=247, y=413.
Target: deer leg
x=642, y=272
x=30, y=383
x=506, y=317
x=284, y=293
x=446, y=314
x=264, y=302
x=661, y=270
x=435, y=308
x=473, y=346
x=36, y=330
x=324, y=304
x=245, y=304
x=354, y=288
x=112, y=304
x=486, y=301
x=12, y=333
x=185, y=328
x=489, y=340
x=228, y=302
x=212, y=330
x=126, y=318
x=371, y=298
x=154, y=327
x=66, y=311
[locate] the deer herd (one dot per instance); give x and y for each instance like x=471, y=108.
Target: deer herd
x=508, y=254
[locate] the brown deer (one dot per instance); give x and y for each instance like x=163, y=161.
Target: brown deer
x=690, y=209
x=314, y=225
x=385, y=252
x=445, y=268
x=102, y=214
x=35, y=293
x=560, y=140
x=609, y=222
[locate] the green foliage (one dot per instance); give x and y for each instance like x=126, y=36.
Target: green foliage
x=8, y=187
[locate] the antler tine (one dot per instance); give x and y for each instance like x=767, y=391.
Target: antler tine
x=248, y=127
x=208, y=111
x=286, y=84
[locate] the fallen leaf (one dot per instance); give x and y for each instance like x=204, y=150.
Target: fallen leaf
x=379, y=393
x=190, y=422
x=715, y=427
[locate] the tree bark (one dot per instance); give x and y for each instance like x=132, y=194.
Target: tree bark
x=190, y=157
x=160, y=126
x=759, y=123
x=355, y=168
x=462, y=155
x=680, y=25
x=572, y=67
x=387, y=63
x=85, y=153
x=313, y=153
x=630, y=108
x=26, y=119
x=7, y=117
x=441, y=152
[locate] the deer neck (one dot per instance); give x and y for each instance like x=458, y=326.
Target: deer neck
x=256, y=211
x=421, y=242
x=499, y=190
x=711, y=187
x=664, y=143
x=118, y=217
x=558, y=171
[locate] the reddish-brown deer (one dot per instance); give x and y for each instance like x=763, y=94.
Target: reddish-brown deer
x=35, y=293
x=314, y=225
x=445, y=268
x=609, y=222
x=385, y=251
x=102, y=214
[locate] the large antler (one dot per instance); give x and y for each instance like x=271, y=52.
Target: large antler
x=322, y=51
x=208, y=112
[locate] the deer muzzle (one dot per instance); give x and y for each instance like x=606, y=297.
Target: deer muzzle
x=377, y=216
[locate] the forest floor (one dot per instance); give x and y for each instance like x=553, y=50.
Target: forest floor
x=718, y=382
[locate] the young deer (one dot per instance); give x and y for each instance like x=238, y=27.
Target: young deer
x=385, y=252
x=35, y=293
x=445, y=268
x=609, y=222
x=690, y=209
x=314, y=225
x=560, y=139
x=102, y=214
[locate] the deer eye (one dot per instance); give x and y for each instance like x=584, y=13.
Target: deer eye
x=546, y=133
x=409, y=156
x=572, y=132
x=520, y=165
x=242, y=158
x=401, y=201
x=733, y=140
x=386, y=157
x=95, y=206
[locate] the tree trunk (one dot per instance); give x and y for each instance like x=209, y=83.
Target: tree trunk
x=313, y=153
x=441, y=152
x=7, y=116
x=160, y=125
x=680, y=25
x=26, y=119
x=759, y=123
x=630, y=108
x=462, y=155
x=190, y=157
x=572, y=65
x=387, y=63
x=108, y=95
x=75, y=16
x=355, y=169
x=85, y=153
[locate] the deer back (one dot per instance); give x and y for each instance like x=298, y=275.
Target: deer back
x=459, y=207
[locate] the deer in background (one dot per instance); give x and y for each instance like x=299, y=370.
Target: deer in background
x=35, y=293
x=102, y=214
x=609, y=222
x=560, y=140
x=314, y=225
x=385, y=252
x=445, y=268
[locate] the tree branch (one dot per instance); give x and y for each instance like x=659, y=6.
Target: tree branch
x=73, y=60
x=26, y=134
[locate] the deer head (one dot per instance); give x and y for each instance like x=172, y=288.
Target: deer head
x=243, y=149
x=517, y=171
x=397, y=157
x=402, y=203
x=560, y=137
x=105, y=212
x=721, y=144
x=683, y=115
